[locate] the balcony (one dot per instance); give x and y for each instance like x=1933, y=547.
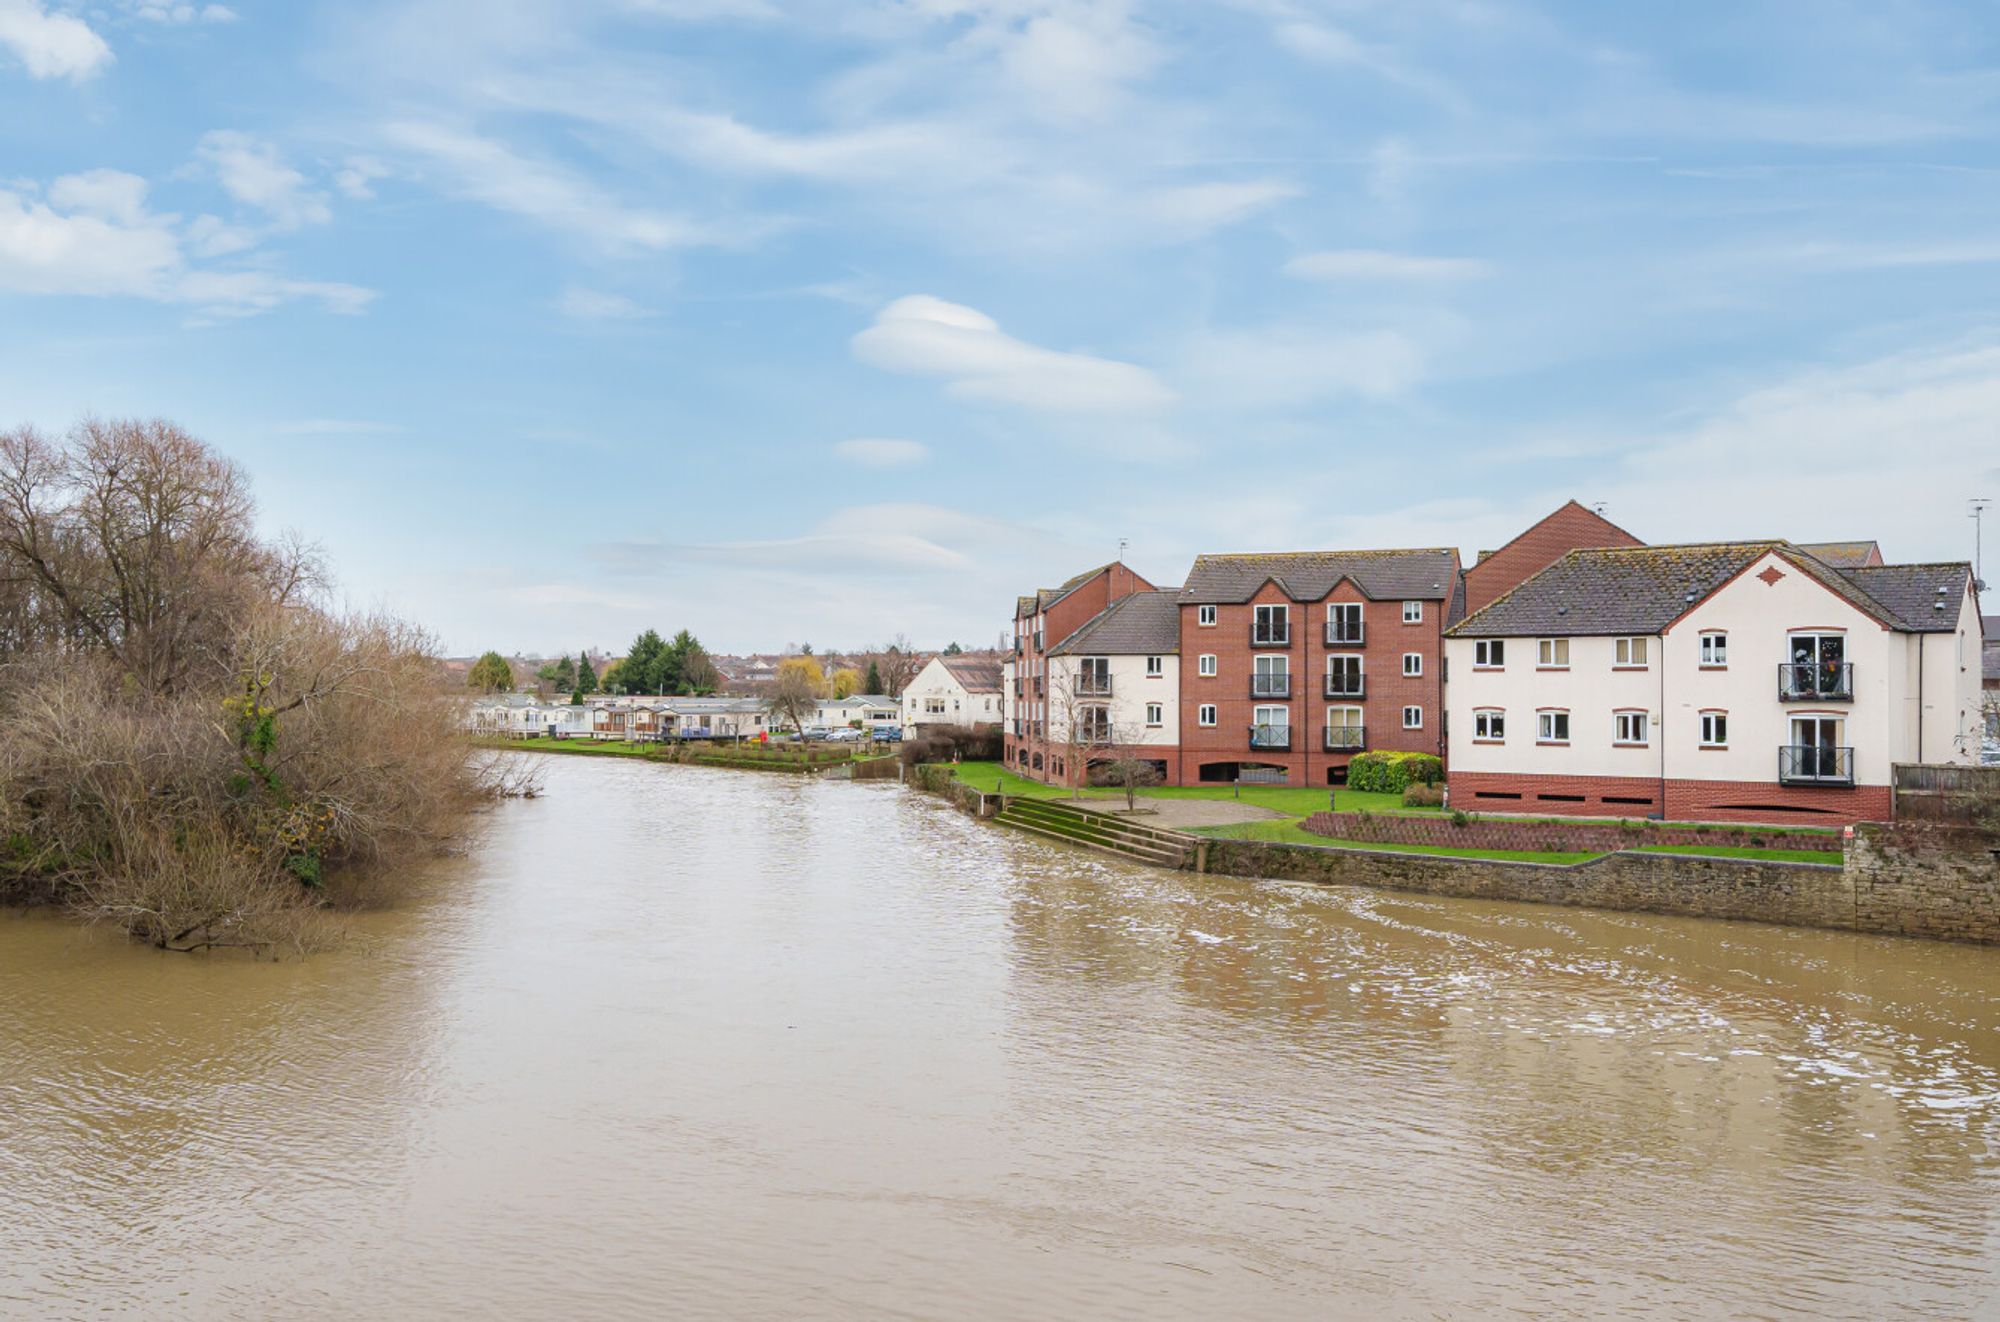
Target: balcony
x=1271, y=635
x=1270, y=686
x=1346, y=738
x=1346, y=686
x=1271, y=738
x=1345, y=635
x=1816, y=681
x=1815, y=764
x=1093, y=686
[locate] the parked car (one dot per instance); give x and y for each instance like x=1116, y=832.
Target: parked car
x=889, y=734
x=817, y=732
x=843, y=736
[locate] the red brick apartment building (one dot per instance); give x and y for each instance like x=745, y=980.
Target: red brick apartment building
x=1041, y=622
x=1289, y=663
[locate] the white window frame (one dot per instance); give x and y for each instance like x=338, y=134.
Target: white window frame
x=1413, y=718
x=1204, y=665
x=1545, y=726
x=1715, y=649
x=1489, y=725
x=1156, y=666
x=1204, y=617
x=1413, y=612
x=1338, y=609
x=1204, y=715
x=1489, y=654
x=1156, y=715
x=1413, y=665
x=1547, y=650
x=1714, y=729
x=1624, y=649
x=1631, y=729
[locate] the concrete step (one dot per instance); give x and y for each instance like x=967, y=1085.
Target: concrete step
x=1160, y=855
x=1104, y=822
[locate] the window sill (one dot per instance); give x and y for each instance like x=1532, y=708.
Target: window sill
x=1552, y=743
x=1489, y=741
x=1713, y=748
x=1482, y=668
x=1710, y=665
x=1552, y=667
x=1616, y=743
x=1631, y=667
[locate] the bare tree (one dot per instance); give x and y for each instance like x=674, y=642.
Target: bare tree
x=898, y=664
x=794, y=697
x=1080, y=721
x=1132, y=773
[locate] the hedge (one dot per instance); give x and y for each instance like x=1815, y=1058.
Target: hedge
x=1392, y=773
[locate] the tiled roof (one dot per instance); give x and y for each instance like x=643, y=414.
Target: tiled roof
x=1843, y=555
x=975, y=675
x=1912, y=593
x=1642, y=589
x=1143, y=624
x=1430, y=574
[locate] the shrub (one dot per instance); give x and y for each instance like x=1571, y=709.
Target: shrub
x=1458, y=817
x=947, y=743
x=1392, y=773
x=1423, y=796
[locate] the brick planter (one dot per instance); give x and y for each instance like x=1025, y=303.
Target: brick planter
x=1557, y=837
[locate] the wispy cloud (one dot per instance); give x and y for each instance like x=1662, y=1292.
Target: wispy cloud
x=50, y=44
x=870, y=452
x=1372, y=264
x=254, y=173
x=926, y=336
x=580, y=304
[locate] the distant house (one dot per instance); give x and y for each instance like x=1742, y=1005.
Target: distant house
x=520, y=716
x=953, y=690
x=873, y=711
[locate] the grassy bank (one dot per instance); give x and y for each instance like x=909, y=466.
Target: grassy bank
x=746, y=754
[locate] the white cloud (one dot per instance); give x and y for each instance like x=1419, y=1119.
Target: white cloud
x=488, y=171
x=1075, y=61
x=91, y=234
x=357, y=177
x=594, y=305
x=1371, y=264
x=177, y=14
x=1191, y=210
x=870, y=452
x=253, y=172
x=50, y=45
x=926, y=336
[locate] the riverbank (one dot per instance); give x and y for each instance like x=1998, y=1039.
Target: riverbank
x=744, y=756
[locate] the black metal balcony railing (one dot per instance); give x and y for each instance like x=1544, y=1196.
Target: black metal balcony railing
x=1346, y=686
x=1346, y=738
x=1093, y=686
x=1816, y=681
x=1815, y=764
x=1345, y=635
x=1271, y=635
x=1270, y=686
x=1274, y=737
x=1019, y=686
x=1039, y=691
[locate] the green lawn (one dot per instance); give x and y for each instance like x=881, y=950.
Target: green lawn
x=1293, y=801
x=1731, y=851
x=1290, y=833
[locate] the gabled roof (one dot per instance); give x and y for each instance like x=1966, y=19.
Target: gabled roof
x=1844, y=555
x=1925, y=598
x=1142, y=624
x=1429, y=574
x=1047, y=597
x=1643, y=589
x=974, y=675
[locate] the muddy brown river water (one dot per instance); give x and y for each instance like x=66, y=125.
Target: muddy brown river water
x=687, y=1043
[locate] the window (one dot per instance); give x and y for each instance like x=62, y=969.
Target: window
x=1205, y=664
x=1413, y=612
x=1095, y=721
x=1631, y=727
x=1629, y=652
x=1205, y=714
x=1093, y=675
x=1413, y=718
x=1155, y=714
x=1553, y=653
x=1552, y=727
x=1413, y=663
x=934, y=706
x=1272, y=727
x=1489, y=653
x=1205, y=616
x=1715, y=729
x=1271, y=677
x=1155, y=667
x=1343, y=623
x=1273, y=624
x=1345, y=732
x=1489, y=725
x=1715, y=649
x=1343, y=677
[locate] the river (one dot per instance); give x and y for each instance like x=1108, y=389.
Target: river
x=677, y=1042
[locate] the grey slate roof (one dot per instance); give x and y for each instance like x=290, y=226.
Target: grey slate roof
x=1910, y=592
x=1429, y=574
x=1143, y=624
x=973, y=674
x=1843, y=555
x=1642, y=589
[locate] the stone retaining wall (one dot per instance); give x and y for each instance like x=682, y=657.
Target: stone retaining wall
x=1549, y=837
x=1923, y=879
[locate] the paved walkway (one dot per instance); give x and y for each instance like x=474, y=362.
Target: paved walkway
x=1182, y=814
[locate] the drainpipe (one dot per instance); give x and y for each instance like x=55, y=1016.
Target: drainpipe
x=1663, y=725
x=1920, y=697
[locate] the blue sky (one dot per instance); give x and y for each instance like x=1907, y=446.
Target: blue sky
x=555, y=319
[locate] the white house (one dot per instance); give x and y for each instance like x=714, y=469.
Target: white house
x=953, y=690
x=1114, y=688
x=1723, y=682
x=873, y=711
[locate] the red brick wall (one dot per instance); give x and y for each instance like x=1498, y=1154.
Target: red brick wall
x=1386, y=639
x=1114, y=583
x=1540, y=837
x=1571, y=528
x=1686, y=800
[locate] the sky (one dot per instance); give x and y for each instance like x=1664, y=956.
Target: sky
x=553, y=320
